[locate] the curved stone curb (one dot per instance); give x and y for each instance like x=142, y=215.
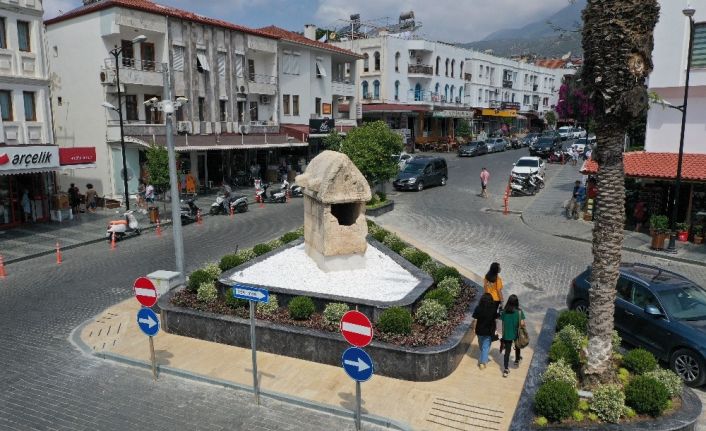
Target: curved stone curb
x=382, y=209
x=75, y=339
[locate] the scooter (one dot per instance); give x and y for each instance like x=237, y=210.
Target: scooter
x=274, y=197
x=523, y=186
x=189, y=211
x=237, y=204
x=297, y=191
x=124, y=227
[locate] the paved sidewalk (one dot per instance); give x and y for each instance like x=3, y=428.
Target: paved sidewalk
x=546, y=214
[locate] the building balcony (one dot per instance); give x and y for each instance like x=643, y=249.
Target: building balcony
x=262, y=127
x=535, y=87
x=134, y=128
x=343, y=88
x=507, y=84
x=134, y=72
x=262, y=84
x=423, y=70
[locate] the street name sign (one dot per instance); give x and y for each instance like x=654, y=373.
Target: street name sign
x=148, y=321
x=251, y=293
x=357, y=364
x=145, y=291
x=356, y=328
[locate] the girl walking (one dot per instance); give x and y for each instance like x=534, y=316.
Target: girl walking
x=493, y=284
x=512, y=318
x=485, y=314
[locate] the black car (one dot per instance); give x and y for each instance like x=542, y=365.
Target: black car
x=660, y=311
x=529, y=139
x=544, y=146
x=475, y=148
x=422, y=172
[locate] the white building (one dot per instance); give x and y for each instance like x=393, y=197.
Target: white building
x=28, y=157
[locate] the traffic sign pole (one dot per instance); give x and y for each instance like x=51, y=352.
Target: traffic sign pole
x=256, y=385
x=152, y=358
x=357, y=406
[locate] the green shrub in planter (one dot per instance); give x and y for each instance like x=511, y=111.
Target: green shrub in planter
x=382, y=196
x=556, y=400
x=394, y=243
x=395, y=320
x=592, y=417
x=230, y=261
x=608, y=402
x=197, y=278
x=616, y=341
x=247, y=254
x=213, y=270
x=429, y=267
x=629, y=412
x=289, y=237
x=270, y=307
x=577, y=415
x=234, y=302
x=572, y=337
x=639, y=361
x=442, y=296
x=623, y=376
x=583, y=405
x=647, y=395
x=541, y=421
x=560, y=371
x=378, y=233
x=207, y=292
x=275, y=244
x=559, y=350
x=669, y=379
x=371, y=224
x=261, y=249
x=333, y=312
x=452, y=285
x=301, y=308
x=430, y=313
x=443, y=272
x=415, y=256
x=576, y=319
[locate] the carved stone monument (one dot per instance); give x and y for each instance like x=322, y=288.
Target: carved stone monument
x=335, y=230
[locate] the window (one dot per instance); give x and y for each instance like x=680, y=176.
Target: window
x=418, y=93
x=202, y=62
x=624, y=289
x=147, y=54
x=285, y=104
x=451, y=93
x=202, y=108
x=3, y=34
x=460, y=94
x=397, y=62
x=295, y=62
x=480, y=71
x=6, y=105
x=317, y=105
x=376, y=89
x=397, y=90
x=254, y=115
x=365, y=89
x=222, y=64
x=438, y=61
x=446, y=93
x=460, y=72
x=525, y=100
x=152, y=115
x=545, y=101
x=642, y=297
x=437, y=88
x=240, y=64
x=377, y=60
x=295, y=104
x=320, y=69
x=453, y=66
x=698, y=51
x=222, y=109
x=131, y=107
x=447, y=67
x=251, y=70
x=23, y=36
x=179, y=112
x=178, y=58
x=366, y=62
x=127, y=52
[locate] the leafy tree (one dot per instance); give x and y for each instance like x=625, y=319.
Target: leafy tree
x=550, y=118
x=463, y=128
x=370, y=148
x=332, y=141
x=617, y=42
x=158, y=166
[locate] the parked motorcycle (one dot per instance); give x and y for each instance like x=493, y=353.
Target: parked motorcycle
x=523, y=186
x=189, y=211
x=559, y=156
x=274, y=197
x=238, y=204
x=121, y=228
x=297, y=191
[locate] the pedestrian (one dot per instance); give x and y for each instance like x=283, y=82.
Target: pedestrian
x=484, y=178
x=74, y=199
x=578, y=195
x=512, y=318
x=141, y=195
x=639, y=213
x=574, y=156
x=485, y=314
x=149, y=194
x=91, y=198
x=493, y=284
x=26, y=206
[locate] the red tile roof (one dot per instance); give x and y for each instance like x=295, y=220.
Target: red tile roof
x=293, y=37
x=641, y=164
x=151, y=7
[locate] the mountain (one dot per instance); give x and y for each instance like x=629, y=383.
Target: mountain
x=553, y=36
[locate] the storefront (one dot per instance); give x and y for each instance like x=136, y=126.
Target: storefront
x=27, y=183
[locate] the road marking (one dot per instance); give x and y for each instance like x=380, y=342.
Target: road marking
x=356, y=329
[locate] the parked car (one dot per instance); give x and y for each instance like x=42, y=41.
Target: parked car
x=552, y=134
x=580, y=145
x=529, y=138
x=529, y=165
x=474, y=148
x=545, y=146
x=579, y=132
x=421, y=172
x=496, y=144
x=402, y=159
x=660, y=311
x=565, y=132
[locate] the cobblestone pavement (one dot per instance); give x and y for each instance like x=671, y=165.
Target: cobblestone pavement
x=48, y=385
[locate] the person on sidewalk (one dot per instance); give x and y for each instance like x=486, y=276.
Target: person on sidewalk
x=512, y=318
x=574, y=156
x=484, y=177
x=493, y=284
x=74, y=199
x=26, y=206
x=640, y=213
x=485, y=314
x=91, y=198
x=149, y=194
x=141, y=204
x=578, y=197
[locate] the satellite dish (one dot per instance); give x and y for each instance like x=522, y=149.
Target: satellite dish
x=130, y=174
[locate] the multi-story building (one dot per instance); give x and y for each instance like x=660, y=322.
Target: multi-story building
x=28, y=158
x=227, y=72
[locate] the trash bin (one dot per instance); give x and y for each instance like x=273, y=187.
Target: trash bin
x=154, y=214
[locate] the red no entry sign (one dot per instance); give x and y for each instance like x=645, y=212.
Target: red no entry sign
x=145, y=291
x=356, y=328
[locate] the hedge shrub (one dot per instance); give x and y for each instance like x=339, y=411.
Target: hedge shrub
x=334, y=311
x=429, y=267
x=669, y=379
x=197, y=278
x=395, y=320
x=608, y=402
x=616, y=341
x=289, y=237
x=442, y=296
x=560, y=371
x=555, y=400
x=234, y=302
x=623, y=376
x=574, y=318
x=378, y=233
x=230, y=261
x=394, y=243
x=415, y=256
x=559, y=350
x=452, y=285
x=301, y=308
x=577, y=415
x=268, y=308
x=647, y=395
x=261, y=249
x=207, y=292
x=639, y=361
x=443, y=272
x=275, y=244
x=572, y=337
x=213, y=270
x=430, y=312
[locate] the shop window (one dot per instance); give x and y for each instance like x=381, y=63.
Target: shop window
x=23, y=36
x=6, y=105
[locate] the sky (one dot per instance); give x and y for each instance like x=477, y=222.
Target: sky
x=446, y=20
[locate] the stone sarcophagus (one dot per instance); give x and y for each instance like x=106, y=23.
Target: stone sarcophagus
x=335, y=193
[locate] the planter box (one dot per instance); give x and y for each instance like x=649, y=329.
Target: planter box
x=385, y=208
x=658, y=241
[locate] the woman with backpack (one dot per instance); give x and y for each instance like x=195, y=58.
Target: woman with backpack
x=493, y=284
x=485, y=314
x=513, y=318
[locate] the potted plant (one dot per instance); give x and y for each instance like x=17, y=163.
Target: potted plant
x=698, y=235
x=659, y=228
x=682, y=232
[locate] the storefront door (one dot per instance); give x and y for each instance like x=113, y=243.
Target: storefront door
x=12, y=188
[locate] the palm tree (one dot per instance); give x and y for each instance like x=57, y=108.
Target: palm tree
x=617, y=44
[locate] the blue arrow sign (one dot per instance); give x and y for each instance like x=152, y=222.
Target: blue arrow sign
x=357, y=364
x=250, y=293
x=148, y=321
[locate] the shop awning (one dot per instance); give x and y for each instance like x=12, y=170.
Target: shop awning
x=28, y=171
x=387, y=107
x=64, y=168
x=506, y=113
x=642, y=164
x=230, y=142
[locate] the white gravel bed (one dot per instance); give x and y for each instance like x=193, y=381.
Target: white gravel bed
x=383, y=279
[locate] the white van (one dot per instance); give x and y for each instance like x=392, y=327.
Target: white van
x=565, y=132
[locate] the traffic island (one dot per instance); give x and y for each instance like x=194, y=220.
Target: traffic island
x=380, y=208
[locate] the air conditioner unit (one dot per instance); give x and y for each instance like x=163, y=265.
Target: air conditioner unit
x=264, y=99
x=107, y=77
x=184, y=127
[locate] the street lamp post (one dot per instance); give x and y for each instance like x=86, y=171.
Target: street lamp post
x=115, y=52
x=671, y=247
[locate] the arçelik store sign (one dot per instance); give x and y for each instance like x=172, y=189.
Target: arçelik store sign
x=29, y=157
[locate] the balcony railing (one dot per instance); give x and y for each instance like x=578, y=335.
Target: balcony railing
x=133, y=64
x=433, y=97
x=507, y=84
x=468, y=76
x=535, y=87
x=262, y=79
x=420, y=69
